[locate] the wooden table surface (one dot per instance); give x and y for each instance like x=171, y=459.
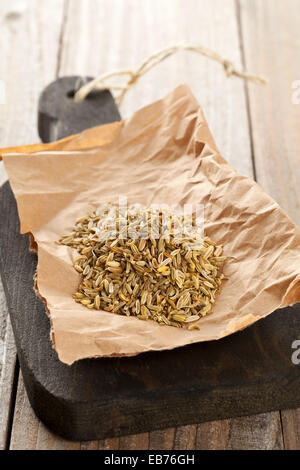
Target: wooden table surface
x=256, y=129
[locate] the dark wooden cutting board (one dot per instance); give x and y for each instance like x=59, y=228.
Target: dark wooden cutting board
x=246, y=373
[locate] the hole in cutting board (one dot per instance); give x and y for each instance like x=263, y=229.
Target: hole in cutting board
x=71, y=94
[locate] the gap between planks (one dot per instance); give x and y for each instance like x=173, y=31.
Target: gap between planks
x=27, y=42
x=221, y=434
x=275, y=119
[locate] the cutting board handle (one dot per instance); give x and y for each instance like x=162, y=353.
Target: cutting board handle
x=60, y=116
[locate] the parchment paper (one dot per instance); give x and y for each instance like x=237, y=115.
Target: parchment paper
x=165, y=154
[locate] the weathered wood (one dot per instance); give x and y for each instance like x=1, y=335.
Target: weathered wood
x=291, y=429
x=101, y=398
x=60, y=116
x=185, y=437
x=270, y=32
x=108, y=444
x=28, y=431
x=29, y=43
x=217, y=99
x=162, y=439
x=135, y=442
x=7, y=370
x=221, y=99
x=258, y=432
x=149, y=26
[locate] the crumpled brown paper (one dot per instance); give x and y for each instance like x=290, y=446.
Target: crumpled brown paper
x=165, y=154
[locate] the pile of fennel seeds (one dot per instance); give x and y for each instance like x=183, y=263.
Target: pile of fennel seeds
x=164, y=277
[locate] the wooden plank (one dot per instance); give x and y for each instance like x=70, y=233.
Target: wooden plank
x=168, y=74
x=29, y=433
x=270, y=32
x=7, y=369
x=162, y=439
x=259, y=432
x=151, y=25
x=23, y=37
x=223, y=100
x=81, y=401
x=29, y=43
x=60, y=117
x=135, y=442
x=185, y=437
x=108, y=444
x=270, y=37
x=291, y=429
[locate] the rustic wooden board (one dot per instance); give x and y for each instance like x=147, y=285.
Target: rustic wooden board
x=60, y=116
x=222, y=99
x=99, y=398
x=211, y=23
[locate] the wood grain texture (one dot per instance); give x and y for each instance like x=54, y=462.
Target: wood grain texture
x=291, y=429
x=108, y=444
x=162, y=439
x=60, y=116
x=128, y=31
x=122, y=43
x=29, y=433
x=118, y=396
x=185, y=437
x=172, y=21
x=270, y=34
x=259, y=432
x=134, y=442
x=29, y=45
x=7, y=369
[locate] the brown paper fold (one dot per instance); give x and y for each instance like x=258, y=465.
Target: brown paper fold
x=164, y=154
